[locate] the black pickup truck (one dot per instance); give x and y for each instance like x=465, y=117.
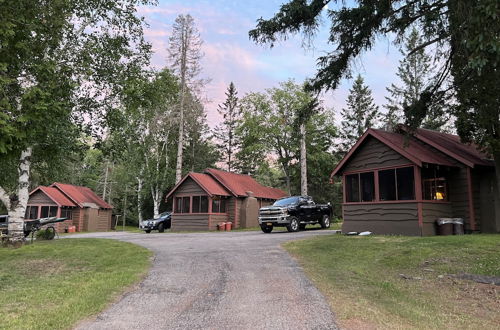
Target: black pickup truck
x=294, y=213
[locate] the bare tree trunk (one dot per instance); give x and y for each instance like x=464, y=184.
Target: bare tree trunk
x=180, y=143
x=139, y=198
x=303, y=160
x=105, y=187
x=16, y=204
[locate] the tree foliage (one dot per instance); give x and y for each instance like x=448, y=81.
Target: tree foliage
x=415, y=73
x=361, y=113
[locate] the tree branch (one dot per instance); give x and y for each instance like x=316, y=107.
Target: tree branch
x=425, y=44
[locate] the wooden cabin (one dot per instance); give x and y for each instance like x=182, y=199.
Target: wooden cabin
x=202, y=200
x=83, y=208
x=397, y=183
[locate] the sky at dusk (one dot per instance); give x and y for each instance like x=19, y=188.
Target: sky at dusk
x=231, y=56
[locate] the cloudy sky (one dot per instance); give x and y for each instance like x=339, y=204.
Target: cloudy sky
x=231, y=56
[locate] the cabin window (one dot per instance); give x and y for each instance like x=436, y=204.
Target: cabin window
x=185, y=204
x=31, y=212
x=218, y=205
x=48, y=211
x=182, y=204
x=352, y=188
x=200, y=204
x=67, y=213
x=434, y=184
x=396, y=184
x=360, y=187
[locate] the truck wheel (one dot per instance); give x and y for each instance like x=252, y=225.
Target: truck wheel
x=325, y=222
x=148, y=231
x=266, y=229
x=294, y=225
x=161, y=228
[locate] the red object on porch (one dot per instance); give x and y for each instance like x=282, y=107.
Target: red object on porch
x=228, y=226
x=72, y=229
x=222, y=226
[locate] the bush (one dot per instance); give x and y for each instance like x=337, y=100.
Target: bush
x=45, y=234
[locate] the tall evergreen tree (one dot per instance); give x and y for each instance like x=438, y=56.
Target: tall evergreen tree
x=185, y=55
x=225, y=132
x=415, y=73
x=361, y=113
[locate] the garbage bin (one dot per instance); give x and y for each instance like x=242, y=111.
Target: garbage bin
x=228, y=226
x=221, y=226
x=445, y=226
x=458, y=226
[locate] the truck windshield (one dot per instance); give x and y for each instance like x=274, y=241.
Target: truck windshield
x=287, y=201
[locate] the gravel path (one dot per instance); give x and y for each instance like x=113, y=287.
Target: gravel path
x=236, y=280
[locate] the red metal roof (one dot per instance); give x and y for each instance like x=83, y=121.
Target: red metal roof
x=54, y=194
x=81, y=195
x=239, y=184
x=449, y=144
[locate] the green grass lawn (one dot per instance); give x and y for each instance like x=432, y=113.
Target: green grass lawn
x=54, y=284
x=394, y=282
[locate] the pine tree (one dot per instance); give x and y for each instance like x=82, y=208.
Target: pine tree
x=415, y=73
x=225, y=132
x=361, y=113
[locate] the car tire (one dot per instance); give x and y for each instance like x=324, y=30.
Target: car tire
x=148, y=231
x=161, y=228
x=294, y=225
x=325, y=222
x=266, y=229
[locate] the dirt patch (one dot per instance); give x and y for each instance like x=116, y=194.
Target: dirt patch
x=357, y=324
x=41, y=267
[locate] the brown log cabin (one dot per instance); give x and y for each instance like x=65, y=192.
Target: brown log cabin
x=83, y=208
x=202, y=200
x=400, y=183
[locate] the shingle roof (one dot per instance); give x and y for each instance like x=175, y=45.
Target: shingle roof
x=58, y=197
x=468, y=154
x=81, y=195
x=424, y=146
x=239, y=184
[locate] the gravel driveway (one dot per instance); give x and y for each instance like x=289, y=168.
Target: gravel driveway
x=236, y=280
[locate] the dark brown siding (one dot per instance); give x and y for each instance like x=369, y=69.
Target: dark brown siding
x=215, y=219
x=189, y=222
x=39, y=197
x=190, y=187
x=431, y=212
x=458, y=191
x=396, y=219
x=231, y=204
x=476, y=198
x=374, y=154
x=103, y=220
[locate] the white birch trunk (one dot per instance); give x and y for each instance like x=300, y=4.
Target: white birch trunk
x=139, y=198
x=156, y=195
x=16, y=204
x=303, y=160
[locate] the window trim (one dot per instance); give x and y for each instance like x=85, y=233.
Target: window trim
x=377, y=190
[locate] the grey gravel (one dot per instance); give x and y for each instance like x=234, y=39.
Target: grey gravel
x=236, y=280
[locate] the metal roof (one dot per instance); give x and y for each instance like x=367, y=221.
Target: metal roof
x=81, y=195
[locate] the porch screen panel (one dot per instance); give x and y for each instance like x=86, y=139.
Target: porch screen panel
x=204, y=204
x=406, y=183
x=223, y=206
x=185, y=204
x=215, y=205
x=178, y=205
x=196, y=204
x=45, y=212
x=367, y=187
x=387, y=185
x=352, y=188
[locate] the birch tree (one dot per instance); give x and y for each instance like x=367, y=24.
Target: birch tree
x=184, y=57
x=58, y=61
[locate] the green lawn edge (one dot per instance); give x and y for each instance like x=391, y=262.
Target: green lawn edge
x=56, y=284
x=396, y=282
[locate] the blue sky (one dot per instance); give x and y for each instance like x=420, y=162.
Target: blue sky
x=231, y=56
